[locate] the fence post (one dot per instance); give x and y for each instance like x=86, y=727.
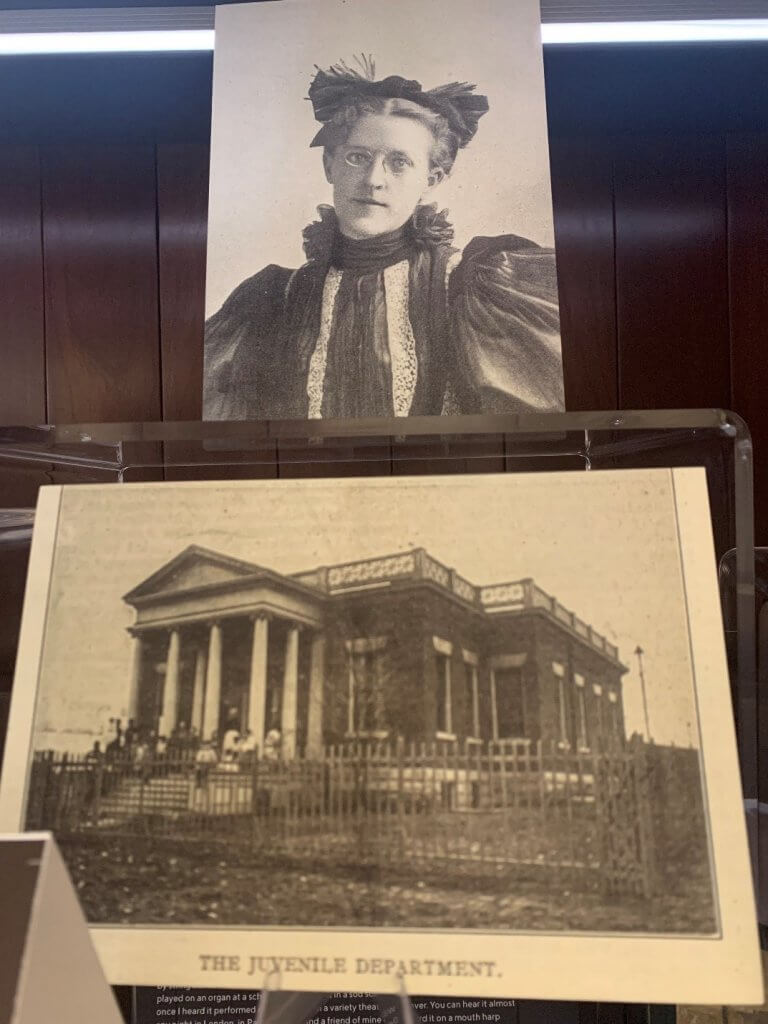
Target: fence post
x=48, y=820
x=141, y=795
x=446, y=796
x=601, y=810
x=503, y=779
x=98, y=773
x=60, y=791
x=254, y=796
x=568, y=798
x=555, y=821
x=641, y=774
x=331, y=787
x=400, y=754
x=542, y=790
x=366, y=797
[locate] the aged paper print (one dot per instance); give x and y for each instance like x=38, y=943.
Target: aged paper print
x=290, y=725
x=380, y=220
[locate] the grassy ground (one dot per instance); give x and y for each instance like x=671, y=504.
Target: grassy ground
x=134, y=880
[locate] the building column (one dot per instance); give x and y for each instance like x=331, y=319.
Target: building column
x=290, y=693
x=257, y=688
x=494, y=708
x=198, y=690
x=171, y=686
x=213, y=684
x=475, y=703
x=137, y=665
x=315, y=706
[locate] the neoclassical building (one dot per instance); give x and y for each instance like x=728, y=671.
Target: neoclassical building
x=380, y=648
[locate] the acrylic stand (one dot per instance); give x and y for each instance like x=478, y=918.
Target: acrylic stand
x=45, y=942
x=575, y=442
x=279, y=1007
x=274, y=1005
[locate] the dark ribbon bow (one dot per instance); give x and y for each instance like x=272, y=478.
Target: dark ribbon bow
x=332, y=92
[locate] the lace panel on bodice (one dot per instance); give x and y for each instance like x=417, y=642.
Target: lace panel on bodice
x=316, y=378
x=402, y=344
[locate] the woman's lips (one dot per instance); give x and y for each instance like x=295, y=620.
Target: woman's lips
x=369, y=202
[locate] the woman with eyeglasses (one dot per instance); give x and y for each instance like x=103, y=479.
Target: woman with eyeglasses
x=386, y=317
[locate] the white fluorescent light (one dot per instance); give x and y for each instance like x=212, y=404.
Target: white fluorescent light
x=185, y=29
x=714, y=30
x=106, y=42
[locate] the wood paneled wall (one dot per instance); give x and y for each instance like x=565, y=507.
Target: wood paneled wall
x=659, y=165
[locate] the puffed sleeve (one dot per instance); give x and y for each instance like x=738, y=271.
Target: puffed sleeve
x=238, y=347
x=506, y=328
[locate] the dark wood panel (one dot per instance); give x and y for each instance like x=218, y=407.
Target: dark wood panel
x=662, y=1014
x=610, y=1013
x=592, y=91
x=101, y=301
x=534, y=1011
x=116, y=98
x=587, y=1013
x=22, y=390
x=748, y=281
x=182, y=208
x=13, y=572
x=582, y=193
x=671, y=272
x=636, y=1013
x=694, y=88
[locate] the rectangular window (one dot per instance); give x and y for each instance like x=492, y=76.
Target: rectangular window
x=615, y=719
x=583, y=740
x=367, y=677
x=444, y=713
x=472, y=699
x=562, y=704
x=598, y=692
x=366, y=671
x=562, y=710
x=582, y=732
x=510, y=702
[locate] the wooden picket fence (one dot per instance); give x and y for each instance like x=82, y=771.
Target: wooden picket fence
x=484, y=807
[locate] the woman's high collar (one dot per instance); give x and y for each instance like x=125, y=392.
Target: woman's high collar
x=368, y=255
x=427, y=228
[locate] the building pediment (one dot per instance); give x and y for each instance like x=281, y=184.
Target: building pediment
x=193, y=568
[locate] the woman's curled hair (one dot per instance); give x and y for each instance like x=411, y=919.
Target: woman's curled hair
x=445, y=143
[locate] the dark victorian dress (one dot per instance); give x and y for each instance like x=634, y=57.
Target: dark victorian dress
x=398, y=325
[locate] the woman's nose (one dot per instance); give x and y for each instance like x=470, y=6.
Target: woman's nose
x=376, y=173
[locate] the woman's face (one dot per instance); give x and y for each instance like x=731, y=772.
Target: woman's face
x=380, y=174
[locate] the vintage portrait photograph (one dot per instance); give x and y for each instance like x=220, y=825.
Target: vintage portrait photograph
x=332, y=705
x=380, y=235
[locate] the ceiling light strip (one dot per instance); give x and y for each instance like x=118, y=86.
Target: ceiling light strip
x=174, y=29
x=710, y=30
x=163, y=41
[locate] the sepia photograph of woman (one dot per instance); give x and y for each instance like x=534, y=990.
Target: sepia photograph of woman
x=387, y=317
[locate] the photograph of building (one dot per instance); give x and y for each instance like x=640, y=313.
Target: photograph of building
x=394, y=646
x=273, y=703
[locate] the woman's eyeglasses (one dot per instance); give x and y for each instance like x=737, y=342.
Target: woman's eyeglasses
x=393, y=163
